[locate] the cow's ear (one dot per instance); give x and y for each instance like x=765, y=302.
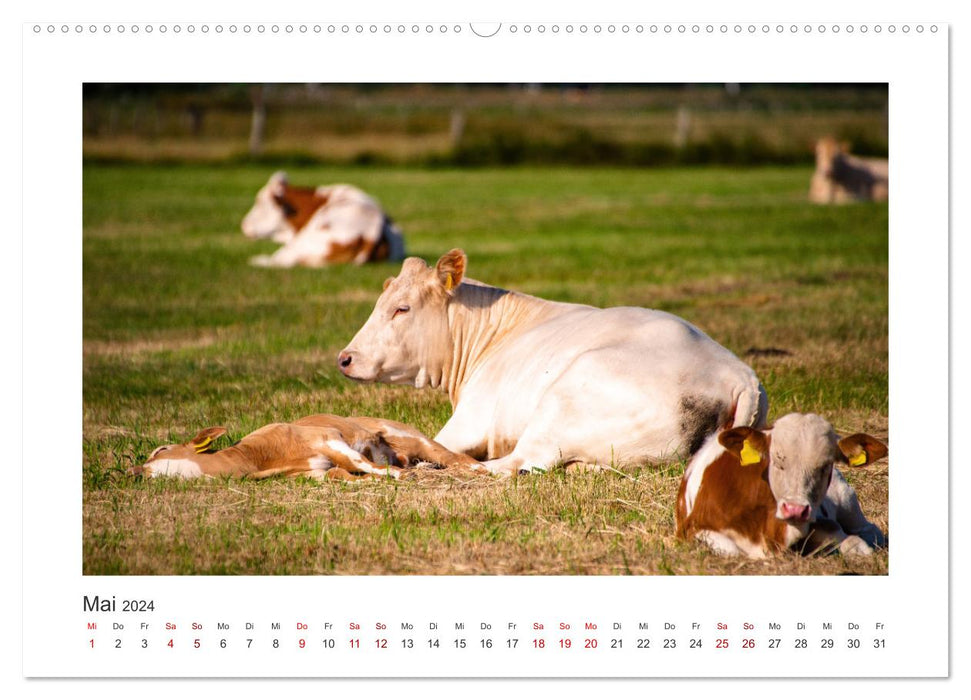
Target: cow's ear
x=450, y=269
x=202, y=441
x=860, y=449
x=751, y=446
x=278, y=183
x=387, y=282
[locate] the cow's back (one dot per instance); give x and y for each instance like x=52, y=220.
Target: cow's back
x=647, y=334
x=665, y=370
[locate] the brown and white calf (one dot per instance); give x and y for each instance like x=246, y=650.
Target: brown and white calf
x=841, y=177
x=320, y=446
x=321, y=226
x=755, y=492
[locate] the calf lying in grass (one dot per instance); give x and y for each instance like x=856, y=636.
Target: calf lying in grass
x=755, y=492
x=320, y=446
x=321, y=226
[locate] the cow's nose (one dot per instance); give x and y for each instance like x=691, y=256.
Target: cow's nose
x=345, y=359
x=793, y=511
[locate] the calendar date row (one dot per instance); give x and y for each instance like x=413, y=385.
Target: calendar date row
x=536, y=643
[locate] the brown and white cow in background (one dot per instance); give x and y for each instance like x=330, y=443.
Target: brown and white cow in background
x=756, y=492
x=321, y=226
x=320, y=446
x=534, y=383
x=841, y=178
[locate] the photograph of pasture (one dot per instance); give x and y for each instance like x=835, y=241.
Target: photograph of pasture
x=360, y=329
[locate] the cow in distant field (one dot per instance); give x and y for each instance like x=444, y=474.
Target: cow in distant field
x=320, y=446
x=535, y=383
x=756, y=492
x=320, y=226
x=840, y=177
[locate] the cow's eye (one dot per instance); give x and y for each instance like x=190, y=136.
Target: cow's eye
x=400, y=310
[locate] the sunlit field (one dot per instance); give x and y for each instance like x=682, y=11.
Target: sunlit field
x=180, y=333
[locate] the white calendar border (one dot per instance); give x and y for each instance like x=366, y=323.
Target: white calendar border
x=904, y=542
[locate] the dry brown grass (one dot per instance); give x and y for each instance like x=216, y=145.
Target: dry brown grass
x=436, y=522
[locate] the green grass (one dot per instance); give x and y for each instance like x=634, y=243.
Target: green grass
x=180, y=333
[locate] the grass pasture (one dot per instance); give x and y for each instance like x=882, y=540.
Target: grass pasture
x=180, y=333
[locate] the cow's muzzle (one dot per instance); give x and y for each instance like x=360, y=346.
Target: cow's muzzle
x=358, y=367
x=795, y=512
x=345, y=360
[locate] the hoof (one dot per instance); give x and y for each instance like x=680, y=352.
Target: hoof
x=261, y=261
x=853, y=546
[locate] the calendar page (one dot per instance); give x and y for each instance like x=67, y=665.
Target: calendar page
x=445, y=348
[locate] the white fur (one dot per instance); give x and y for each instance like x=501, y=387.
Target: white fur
x=320, y=463
x=842, y=505
x=394, y=432
x=854, y=546
x=266, y=219
x=358, y=460
x=596, y=386
x=695, y=471
x=730, y=544
x=185, y=468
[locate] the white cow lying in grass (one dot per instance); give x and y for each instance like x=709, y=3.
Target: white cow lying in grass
x=758, y=492
x=321, y=226
x=534, y=383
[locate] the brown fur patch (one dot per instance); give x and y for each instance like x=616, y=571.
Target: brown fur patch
x=299, y=204
x=872, y=449
x=734, y=497
x=347, y=252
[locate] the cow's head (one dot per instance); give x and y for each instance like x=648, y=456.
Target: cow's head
x=268, y=217
x=179, y=459
x=406, y=340
x=799, y=453
x=828, y=150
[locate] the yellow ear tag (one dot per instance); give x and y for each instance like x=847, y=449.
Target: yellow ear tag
x=749, y=454
x=202, y=446
x=858, y=460
x=448, y=282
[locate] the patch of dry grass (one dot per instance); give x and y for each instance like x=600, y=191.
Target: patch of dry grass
x=436, y=522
